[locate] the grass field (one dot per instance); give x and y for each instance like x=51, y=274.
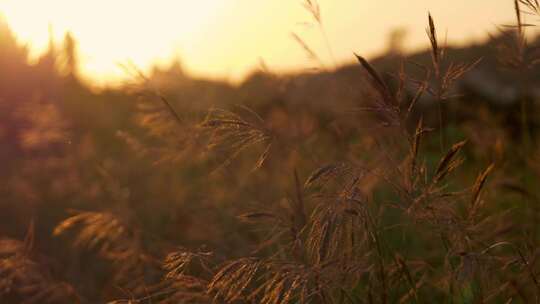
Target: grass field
x=406, y=178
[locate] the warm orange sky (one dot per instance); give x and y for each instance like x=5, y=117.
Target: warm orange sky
x=227, y=38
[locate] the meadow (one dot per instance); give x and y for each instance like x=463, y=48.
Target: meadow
x=406, y=178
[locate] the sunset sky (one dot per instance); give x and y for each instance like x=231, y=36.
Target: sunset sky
x=228, y=38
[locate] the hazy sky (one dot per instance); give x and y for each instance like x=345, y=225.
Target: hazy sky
x=228, y=38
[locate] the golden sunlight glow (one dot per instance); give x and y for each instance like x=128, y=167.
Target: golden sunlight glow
x=111, y=32
x=228, y=38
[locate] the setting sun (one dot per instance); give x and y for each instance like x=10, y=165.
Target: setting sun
x=110, y=32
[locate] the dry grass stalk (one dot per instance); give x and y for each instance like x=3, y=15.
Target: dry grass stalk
x=231, y=132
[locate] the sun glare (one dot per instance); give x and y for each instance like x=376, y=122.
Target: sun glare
x=113, y=32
